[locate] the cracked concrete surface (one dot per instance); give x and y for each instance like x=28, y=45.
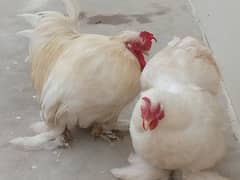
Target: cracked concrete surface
x=88, y=159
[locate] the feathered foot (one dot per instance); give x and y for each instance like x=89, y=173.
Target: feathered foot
x=46, y=139
x=139, y=169
x=39, y=127
x=112, y=135
x=204, y=175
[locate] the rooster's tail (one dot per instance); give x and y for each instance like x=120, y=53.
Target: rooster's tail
x=51, y=23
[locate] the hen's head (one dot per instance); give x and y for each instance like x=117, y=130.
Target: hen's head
x=140, y=45
x=151, y=115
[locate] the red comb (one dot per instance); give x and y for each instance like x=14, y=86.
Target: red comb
x=152, y=115
x=145, y=109
x=147, y=40
x=147, y=35
x=147, y=101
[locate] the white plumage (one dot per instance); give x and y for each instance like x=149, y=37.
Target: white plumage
x=184, y=61
x=81, y=79
x=183, y=81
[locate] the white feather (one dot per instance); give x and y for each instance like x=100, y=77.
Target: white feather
x=40, y=141
x=139, y=169
x=184, y=80
x=81, y=79
x=39, y=127
x=72, y=8
x=26, y=33
x=33, y=19
x=206, y=175
x=32, y=5
x=174, y=42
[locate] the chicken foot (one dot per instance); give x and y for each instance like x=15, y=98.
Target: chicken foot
x=97, y=131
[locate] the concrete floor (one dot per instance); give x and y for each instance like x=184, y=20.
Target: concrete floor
x=88, y=159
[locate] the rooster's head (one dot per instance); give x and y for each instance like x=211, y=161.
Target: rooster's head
x=141, y=45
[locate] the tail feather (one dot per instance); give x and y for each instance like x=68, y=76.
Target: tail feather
x=72, y=8
x=32, y=19
x=174, y=42
x=33, y=5
x=50, y=23
x=26, y=33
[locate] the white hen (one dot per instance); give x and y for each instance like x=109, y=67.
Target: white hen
x=185, y=61
x=82, y=79
x=178, y=123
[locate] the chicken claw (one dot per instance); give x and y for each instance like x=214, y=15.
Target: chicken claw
x=67, y=138
x=107, y=135
x=112, y=135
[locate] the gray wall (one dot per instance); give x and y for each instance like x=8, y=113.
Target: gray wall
x=220, y=21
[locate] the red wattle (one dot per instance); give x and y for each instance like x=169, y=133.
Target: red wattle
x=139, y=56
x=141, y=60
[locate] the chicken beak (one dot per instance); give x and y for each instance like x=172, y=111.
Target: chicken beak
x=146, y=53
x=145, y=124
x=155, y=39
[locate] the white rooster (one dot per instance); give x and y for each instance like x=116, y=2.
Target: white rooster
x=178, y=123
x=81, y=79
